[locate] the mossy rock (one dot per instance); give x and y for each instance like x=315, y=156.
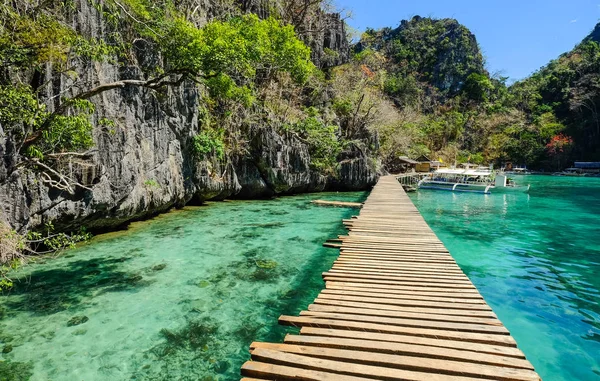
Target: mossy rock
x=77, y=320
x=159, y=267
x=266, y=264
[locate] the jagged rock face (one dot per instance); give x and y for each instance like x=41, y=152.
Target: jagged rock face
x=441, y=52
x=144, y=165
x=277, y=164
x=328, y=42
x=452, y=50
x=595, y=35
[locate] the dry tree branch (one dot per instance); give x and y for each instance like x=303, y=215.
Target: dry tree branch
x=63, y=183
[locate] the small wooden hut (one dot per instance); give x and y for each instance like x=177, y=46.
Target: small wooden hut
x=402, y=164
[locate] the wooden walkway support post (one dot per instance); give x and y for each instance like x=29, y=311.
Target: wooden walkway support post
x=396, y=306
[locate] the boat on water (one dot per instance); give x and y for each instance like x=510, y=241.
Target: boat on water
x=479, y=180
x=518, y=171
x=571, y=172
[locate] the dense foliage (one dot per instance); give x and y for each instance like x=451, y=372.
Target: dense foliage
x=454, y=110
x=568, y=89
x=231, y=60
x=249, y=72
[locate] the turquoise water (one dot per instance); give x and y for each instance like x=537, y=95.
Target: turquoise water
x=536, y=260
x=179, y=297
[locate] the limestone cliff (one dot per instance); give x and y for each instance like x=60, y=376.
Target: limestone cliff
x=144, y=165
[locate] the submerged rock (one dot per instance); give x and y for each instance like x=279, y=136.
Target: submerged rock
x=160, y=267
x=77, y=320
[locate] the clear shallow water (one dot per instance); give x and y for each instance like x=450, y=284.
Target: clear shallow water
x=179, y=297
x=536, y=260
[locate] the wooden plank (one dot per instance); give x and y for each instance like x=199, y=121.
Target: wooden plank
x=413, y=278
x=403, y=314
x=342, y=204
x=399, y=256
x=335, y=286
x=354, y=279
x=290, y=373
x=391, y=307
x=350, y=369
x=376, y=286
x=424, y=269
x=411, y=363
x=400, y=259
x=408, y=349
x=401, y=273
x=303, y=321
x=496, y=350
x=464, y=327
x=403, y=297
x=416, y=251
x=450, y=267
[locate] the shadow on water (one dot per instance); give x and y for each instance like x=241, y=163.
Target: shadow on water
x=53, y=290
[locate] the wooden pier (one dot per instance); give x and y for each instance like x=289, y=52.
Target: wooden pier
x=396, y=307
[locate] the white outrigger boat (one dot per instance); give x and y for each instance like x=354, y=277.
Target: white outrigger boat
x=480, y=180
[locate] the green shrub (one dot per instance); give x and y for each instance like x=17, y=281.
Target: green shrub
x=209, y=142
x=323, y=143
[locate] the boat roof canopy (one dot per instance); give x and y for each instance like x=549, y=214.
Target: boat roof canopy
x=464, y=172
x=587, y=165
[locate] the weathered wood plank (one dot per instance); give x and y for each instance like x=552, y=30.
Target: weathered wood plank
x=378, y=287
x=303, y=321
x=348, y=368
x=400, y=282
x=391, y=291
x=343, y=204
x=411, y=363
x=391, y=307
x=409, y=349
x=290, y=373
x=403, y=296
x=496, y=350
x=419, y=323
x=403, y=314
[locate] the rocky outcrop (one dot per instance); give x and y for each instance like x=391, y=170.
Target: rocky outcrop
x=328, y=40
x=440, y=52
x=595, y=35
x=143, y=164
x=276, y=164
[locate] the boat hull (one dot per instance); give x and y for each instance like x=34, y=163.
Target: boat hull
x=470, y=188
x=456, y=187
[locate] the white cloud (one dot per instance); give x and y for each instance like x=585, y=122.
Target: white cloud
x=573, y=21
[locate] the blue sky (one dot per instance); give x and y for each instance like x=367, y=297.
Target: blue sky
x=517, y=36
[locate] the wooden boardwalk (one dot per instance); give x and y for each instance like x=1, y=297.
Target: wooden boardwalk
x=396, y=307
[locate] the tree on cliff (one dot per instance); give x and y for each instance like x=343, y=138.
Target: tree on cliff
x=227, y=57
x=47, y=110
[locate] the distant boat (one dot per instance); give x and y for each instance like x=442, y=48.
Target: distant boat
x=480, y=180
x=571, y=172
x=518, y=171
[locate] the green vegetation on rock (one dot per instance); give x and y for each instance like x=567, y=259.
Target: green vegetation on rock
x=451, y=108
